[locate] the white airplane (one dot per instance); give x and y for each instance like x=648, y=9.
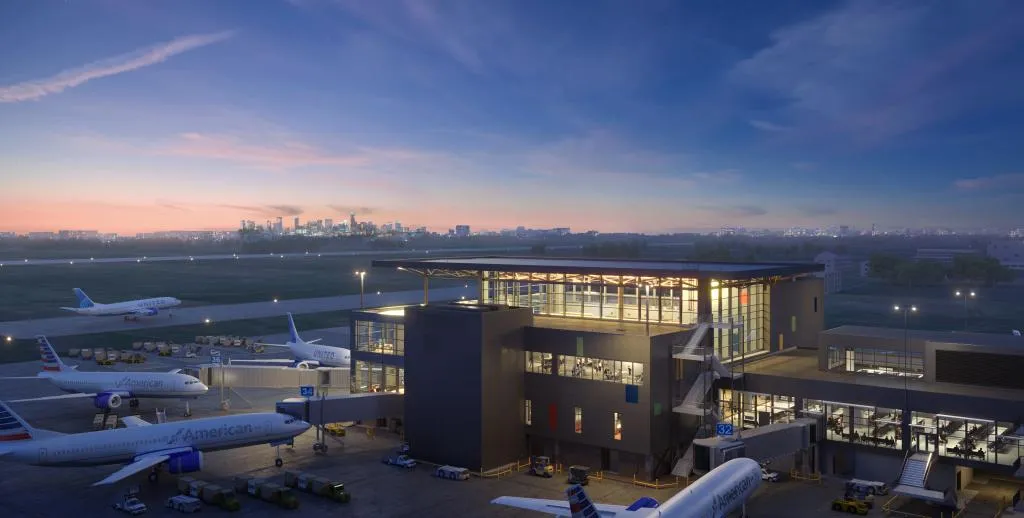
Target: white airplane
x=109, y=389
x=142, y=445
x=715, y=495
x=308, y=355
x=131, y=308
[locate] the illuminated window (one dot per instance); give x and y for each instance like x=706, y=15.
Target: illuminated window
x=579, y=419
x=539, y=363
x=617, y=433
x=615, y=371
x=529, y=412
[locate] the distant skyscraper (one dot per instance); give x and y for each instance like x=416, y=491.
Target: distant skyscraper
x=243, y=225
x=352, y=222
x=398, y=226
x=328, y=224
x=461, y=230
x=279, y=225
x=296, y=223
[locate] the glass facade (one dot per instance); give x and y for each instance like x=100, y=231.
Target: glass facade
x=745, y=410
x=539, y=363
x=529, y=412
x=380, y=337
x=617, y=426
x=606, y=297
x=578, y=419
x=875, y=361
x=967, y=438
x=615, y=371
x=374, y=377
x=748, y=309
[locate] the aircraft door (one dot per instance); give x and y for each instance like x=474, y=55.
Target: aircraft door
x=42, y=456
x=269, y=427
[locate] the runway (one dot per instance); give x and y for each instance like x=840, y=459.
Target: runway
x=80, y=325
x=221, y=257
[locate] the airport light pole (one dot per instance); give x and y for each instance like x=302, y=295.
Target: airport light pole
x=647, y=302
x=965, y=295
x=362, y=276
x=906, y=418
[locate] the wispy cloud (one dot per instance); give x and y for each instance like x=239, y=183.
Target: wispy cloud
x=347, y=209
x=279, y=156
x=269, y=211
x=767, y=126
x=817, y=210
x=173, y=206
x=735, y=211
x=36, y=89
x=723, y=176
x=987, y=183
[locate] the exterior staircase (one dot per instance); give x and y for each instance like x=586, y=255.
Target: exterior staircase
x=914, y=477
x=694, y=401
x=684, y=466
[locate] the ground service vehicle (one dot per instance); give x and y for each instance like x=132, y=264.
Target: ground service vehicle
x=400, y=460
x=579, y=475
x=870, y=487
x=847, y=505
x=540, y=466
x=769, y=476
x=130, y=504
x=317, y=485
x=184, y=504
x=452, y=473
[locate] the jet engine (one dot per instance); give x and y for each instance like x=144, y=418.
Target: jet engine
x=309, y=364
x=148, y=312
x=187, y=462
x=107, y=401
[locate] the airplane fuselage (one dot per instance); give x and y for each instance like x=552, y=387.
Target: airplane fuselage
x=325, y=355
x=131, y=384
x=123, y=445
x=131, y=307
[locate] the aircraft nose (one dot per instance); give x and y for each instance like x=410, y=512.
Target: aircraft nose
x=201, y=388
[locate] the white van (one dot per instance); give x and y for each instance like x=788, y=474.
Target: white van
x=184, y=504
x=870, y=487
x=452, y=473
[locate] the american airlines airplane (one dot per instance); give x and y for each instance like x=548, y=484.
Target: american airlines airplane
x=141, y=445
x=715, y=495
x=129, y=309
x=109, y=389
x=308, y=355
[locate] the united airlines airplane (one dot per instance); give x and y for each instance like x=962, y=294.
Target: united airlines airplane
x=141, y=445
x=308, y=355
x=109, y=389
x=129, y=309
x=715, y=495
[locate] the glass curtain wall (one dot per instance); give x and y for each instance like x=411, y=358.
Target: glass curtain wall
x=380, y=337
x=747, y=308
x=967, y=438
x=374, y=377
x=605, y=297
x=875, y=361
x=747, y=410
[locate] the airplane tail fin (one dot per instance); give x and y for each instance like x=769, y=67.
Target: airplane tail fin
x=51, y=362
x=12, y=426
x=291, y=330
x=83, y=300
x=579, y=503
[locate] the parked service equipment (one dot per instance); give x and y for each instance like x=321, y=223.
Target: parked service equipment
x=74, y=352
x=320, y=486
x=183, y=504
x=268, y=491
x=849, y=506
x=210, y=493
x=579, y=475
x=452, y=473
x=541, y=466
x=400, y=460
x=130, y=503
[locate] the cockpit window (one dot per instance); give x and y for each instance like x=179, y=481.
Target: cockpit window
x=289, y=421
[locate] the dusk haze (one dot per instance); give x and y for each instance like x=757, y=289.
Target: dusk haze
x=615, y=116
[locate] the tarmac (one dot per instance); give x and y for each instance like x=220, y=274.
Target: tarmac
x=78, y=325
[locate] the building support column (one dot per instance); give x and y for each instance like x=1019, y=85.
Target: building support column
x=426, y=288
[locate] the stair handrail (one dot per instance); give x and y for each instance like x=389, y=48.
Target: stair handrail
x=906, y=458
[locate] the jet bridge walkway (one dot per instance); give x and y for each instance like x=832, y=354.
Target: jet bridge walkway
x=345, y=407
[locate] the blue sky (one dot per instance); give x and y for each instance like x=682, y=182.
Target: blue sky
x=611, y=115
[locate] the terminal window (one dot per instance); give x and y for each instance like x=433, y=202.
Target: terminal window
x=967, y=438
x=617, y=426
x=529, y=412
x=863, y=424
x=748, y=308
x=380, y=337
x=875, y=361
x=747, y=410
x=580, y=367
x=578, y=419
x=539, y=363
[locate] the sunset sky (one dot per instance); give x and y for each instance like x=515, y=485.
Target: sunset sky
x=649, y=116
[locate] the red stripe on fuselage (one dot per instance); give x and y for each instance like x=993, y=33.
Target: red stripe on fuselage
x=16, y=437
x=48, y=368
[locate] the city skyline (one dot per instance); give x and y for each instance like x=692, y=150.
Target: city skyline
x=131, y=117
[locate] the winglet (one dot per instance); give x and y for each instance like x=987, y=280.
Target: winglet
x=83, y=300
x=51, y=362
x=291, y=329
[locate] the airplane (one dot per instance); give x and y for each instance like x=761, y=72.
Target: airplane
x=142, y=445
x=109, y=389
x=715, y=495
x=308, y=355
x=129, y=309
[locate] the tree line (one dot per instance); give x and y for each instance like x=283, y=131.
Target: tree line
x=973, y=269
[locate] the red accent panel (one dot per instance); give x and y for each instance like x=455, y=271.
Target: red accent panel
x=55, y=369
x=16, y=437
x=744, y=297
x=553, y=417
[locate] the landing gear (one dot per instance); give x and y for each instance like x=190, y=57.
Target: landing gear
x=278, y=461
x=133, y=403
x=188, y=410
x=154, y=476
x=319, y=447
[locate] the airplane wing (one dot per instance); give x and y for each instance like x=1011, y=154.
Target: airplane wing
x=52, y=398
x=271, y=345
x=141, y=463
x=558, y=507
x=281, y=361
x=313, y=341
x=173, y=371
x=23, y=378
x=134, y=420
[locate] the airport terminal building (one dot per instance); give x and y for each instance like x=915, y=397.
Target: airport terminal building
x=628, y=366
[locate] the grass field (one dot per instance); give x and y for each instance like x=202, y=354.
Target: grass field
x=25, y=350
x=997, y=309
x=39, y=291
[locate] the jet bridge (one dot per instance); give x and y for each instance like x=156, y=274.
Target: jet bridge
x=319, y=411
